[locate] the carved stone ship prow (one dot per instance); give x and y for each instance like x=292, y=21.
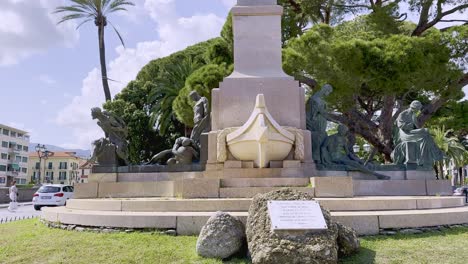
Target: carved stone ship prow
x=261, y=139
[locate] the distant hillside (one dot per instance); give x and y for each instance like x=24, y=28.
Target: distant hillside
x=82, y=153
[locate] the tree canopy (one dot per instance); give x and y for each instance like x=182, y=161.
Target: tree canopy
x=372, y=72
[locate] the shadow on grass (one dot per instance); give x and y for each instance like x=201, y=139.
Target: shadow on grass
x=364, y=256
x=436, y=233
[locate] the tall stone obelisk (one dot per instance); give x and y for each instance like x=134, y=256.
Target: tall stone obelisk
x=258, y=70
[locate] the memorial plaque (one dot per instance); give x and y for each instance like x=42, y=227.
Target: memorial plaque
x=296, y=215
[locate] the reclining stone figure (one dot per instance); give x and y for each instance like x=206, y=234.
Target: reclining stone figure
x=335, y=150
x=183, y=152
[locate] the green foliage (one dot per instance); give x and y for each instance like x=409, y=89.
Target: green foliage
x=450, y=145
x=203, y=81
x=156, y=69
x=453, y=115
x=359, y=61
x=131, y=105
x=166, y=90
x=219, y=52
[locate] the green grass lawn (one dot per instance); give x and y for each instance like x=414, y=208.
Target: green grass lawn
x=29, y=241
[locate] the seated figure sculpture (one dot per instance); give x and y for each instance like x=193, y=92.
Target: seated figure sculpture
x=414, y=145
x=183, y=152
x=335, y=150
x=113, y=149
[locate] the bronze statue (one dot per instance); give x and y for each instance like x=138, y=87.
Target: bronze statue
x=184, y=151
x=201, y=118
x=317, y=120
x=412, y=143
x=336, y=150
x=116, y=133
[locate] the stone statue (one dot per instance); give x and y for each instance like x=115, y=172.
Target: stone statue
x=336, y=150
x=414, y=145
x=183, y=152
x=317, y=120
x=201, y=118
x=113, y=149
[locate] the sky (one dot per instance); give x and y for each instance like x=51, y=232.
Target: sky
x=50, y=74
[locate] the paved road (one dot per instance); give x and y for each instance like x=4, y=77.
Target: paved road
x=23, y=211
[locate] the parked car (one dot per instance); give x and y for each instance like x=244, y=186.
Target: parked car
x=461, y=191
x=52, y=195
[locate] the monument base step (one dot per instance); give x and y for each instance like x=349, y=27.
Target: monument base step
x=265, y=182
x=190, y=223
x=249, y=192
x=243, y=204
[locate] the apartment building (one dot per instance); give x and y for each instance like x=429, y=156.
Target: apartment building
x=85, y=168
x=13, y=155
x=58, y=168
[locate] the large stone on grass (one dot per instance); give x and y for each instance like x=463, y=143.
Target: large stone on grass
x=221, y=237
x=348, y=241
x=268, y=246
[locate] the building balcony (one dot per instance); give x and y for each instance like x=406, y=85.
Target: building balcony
x=12, y=173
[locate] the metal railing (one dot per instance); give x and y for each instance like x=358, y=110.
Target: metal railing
x=16, y=218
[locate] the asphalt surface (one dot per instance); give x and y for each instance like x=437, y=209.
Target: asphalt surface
x=24, y=210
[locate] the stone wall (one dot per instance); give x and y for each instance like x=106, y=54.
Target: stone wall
x=24, y=195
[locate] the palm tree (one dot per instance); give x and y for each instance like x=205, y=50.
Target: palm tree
x=451, y=146
x=166, y=90
x=97, y=10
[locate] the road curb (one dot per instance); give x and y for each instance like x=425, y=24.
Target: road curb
x=19, y=204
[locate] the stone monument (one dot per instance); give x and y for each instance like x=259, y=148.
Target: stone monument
x=317, y=120
x=258, y=94
x=414, y=145
x=201, y=116
x=336, y=150
x=112, y=150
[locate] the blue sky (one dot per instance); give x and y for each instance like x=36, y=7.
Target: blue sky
x=50, y=74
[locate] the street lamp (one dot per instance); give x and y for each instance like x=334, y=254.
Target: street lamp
x=356, y=148
x=367, y=147
x=39, y=150
x=42, y=153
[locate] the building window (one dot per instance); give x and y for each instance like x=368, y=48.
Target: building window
x=4, y=144
x=49, y=166
x=19, y=147
x=20, y=135
x=4, y=156
x=18, y=158
x=63, y=166
x=25, y=148
x=37, y=165
x=62, y=175
x=25, y=159
x=51, y=175
x=6, y=132
x=24, y=170
x=3, y=168
x=2, y=180
x=13, y=134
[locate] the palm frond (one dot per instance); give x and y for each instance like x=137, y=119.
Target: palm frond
x=74, y=9
x=71, y=17
x=83, y=22
x=118, y=34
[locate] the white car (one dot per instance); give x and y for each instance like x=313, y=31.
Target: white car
x=52, y=195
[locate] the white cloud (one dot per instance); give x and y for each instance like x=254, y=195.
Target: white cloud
x=175, y=33
x=28, y=27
